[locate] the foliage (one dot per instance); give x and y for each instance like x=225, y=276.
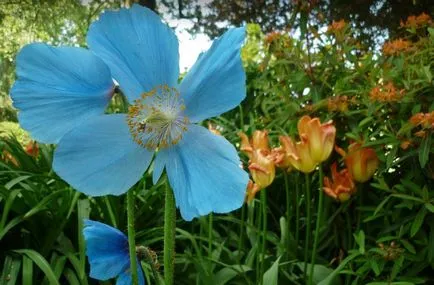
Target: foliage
x=23, y=22
x=384, y=234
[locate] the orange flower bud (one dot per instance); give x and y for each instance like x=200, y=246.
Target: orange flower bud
x=405, y=144
x=32, y=149
x=7, y=157
x=262, y=168
x=340, y=186
x=213, y=129
x=361, y=162
x=298, y=155
x=259, y=141
x=320, y=137
x=252, y=189
x=280, y=158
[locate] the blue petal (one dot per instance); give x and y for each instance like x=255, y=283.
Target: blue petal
x=159, y=163
x=217, y=82
x=100, y=157
x=141, y=51
x=107, y=249
x=205, y=174
x=57, y=88
x=125, y=277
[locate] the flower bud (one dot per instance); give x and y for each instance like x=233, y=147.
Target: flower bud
x=298, y=155
x=320, y=137
x=361, y=162
x=259, y=141
x=340, y=186
x=262, y=169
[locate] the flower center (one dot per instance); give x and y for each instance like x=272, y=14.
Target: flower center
x=156, y=119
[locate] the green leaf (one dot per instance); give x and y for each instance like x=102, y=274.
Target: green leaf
x=331, y=278
x=7, y=206
x=226, y=274
x=83, y=211
x=42, y=263
x=417, y=223
x=10, y=272
x=360, y=240
x=41, y=205
x=320, y=272
x=71, y=277
x=408, y=246
x=424, y=150
x=27, y=271
x=397, y=265
x=271, y=276
x=15, y=181
x=430, y=207
x=375, y=267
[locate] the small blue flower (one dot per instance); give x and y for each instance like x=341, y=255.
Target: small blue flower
x=107, y=250
x=61, y=94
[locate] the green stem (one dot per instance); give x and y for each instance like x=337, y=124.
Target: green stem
x=110, y=211
x=264, y=230
x=258, y=221
x=241, y=231
x=288, y=205
x=308, y=223
x=131, y=237
x=297, y=209
x=318, y=224
x=169, y=236
x=210, y=227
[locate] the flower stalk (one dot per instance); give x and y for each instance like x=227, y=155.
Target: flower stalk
x=308, y=223
x=131, y=236
x=169, y=236
x=318, y=224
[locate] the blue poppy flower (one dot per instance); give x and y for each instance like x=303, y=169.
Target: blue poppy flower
x=107, y=250
x=61, y=94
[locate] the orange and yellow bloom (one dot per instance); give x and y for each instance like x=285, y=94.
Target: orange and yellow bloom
x=261, y=162
x=315, y=145
x=262, y=169
x=361, y=162
x=341, y=186
x=297, y=155
x=259, y=140
x=320, y=137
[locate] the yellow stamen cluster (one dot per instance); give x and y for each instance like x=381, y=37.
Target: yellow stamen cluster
x=156, y=120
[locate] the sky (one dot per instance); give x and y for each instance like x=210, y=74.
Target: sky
x=190, y=46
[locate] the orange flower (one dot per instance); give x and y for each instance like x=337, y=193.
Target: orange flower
x=336, y=26
x=420, y=134
x=320, y=137
x=280, y=157
x=32, y=149
x=416, y=21
x=271, y=37
x=395, y=47
x=405, y=144
x=259, y=140
x=298, y=155
x=361, y=162
x=340, y=186
x=252, y=189
x=262, y=168
x=337, y=103
x=426, y=120
x=387, y=93
x=7, y=157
